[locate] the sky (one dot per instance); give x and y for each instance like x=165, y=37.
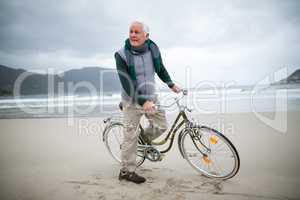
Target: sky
x=215, y=41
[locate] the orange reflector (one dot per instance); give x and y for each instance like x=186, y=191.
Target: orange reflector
x=206, y=160
x=213, y=139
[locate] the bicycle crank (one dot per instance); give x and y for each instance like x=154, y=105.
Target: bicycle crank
x=152, y=154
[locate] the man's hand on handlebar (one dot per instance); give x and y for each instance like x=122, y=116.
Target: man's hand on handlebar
x=176, y=89
x=149, y=107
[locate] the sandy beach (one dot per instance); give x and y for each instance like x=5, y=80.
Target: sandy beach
x=55, y=159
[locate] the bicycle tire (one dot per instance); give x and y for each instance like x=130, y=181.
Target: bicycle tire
x=204, y=165
x=116, y=129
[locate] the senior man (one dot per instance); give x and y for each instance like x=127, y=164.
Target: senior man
x=137, y=62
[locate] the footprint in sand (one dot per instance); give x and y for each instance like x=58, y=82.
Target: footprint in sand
x=202, y=185
x=209, y=186
x=83, y=182
x=101, y=196
x=170, y=190
x=178, y=183
x=145, y=170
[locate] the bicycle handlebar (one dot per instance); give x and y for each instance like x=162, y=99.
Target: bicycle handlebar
x=177, y=99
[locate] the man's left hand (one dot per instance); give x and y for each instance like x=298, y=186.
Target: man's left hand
x=149, y=107
x=176, y=89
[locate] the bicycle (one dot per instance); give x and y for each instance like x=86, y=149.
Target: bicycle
x=204, y=148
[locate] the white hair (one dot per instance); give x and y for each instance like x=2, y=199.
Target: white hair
x=144, y=26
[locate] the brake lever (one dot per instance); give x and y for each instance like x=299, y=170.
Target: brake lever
x=184, y=92
x=189, y=110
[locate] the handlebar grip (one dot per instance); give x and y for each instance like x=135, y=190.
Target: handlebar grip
x=184, y=91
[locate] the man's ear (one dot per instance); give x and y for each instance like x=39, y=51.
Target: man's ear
x=147, y=35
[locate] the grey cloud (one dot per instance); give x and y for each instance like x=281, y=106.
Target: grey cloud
x=84, y=29
x=243, y=22
x=88, y=27
x=35, y=26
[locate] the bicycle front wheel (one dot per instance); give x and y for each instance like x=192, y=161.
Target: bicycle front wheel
x=113, y=139
x=209, y=152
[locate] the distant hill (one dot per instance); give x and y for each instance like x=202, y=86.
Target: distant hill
x=294, y=78
x=8, y=77
x=101, y=79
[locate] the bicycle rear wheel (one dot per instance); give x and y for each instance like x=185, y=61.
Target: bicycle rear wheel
x=209, y=152
x=113, y=139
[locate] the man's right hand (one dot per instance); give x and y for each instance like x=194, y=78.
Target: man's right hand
x=149, y=107
x=176, y=89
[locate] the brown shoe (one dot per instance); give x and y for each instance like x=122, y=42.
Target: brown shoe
x=131, y=176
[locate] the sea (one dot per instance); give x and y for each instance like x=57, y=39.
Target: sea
x=238, y=99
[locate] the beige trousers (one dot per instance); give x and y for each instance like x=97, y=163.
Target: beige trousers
x=132, y=116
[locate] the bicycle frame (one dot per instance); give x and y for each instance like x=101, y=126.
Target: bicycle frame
x=177, y=124
x=185, y=128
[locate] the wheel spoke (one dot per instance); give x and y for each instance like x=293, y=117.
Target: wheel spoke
x=217, y=165
x=114, y=139
x=117, y=138
x=218, y=162
x=219, y=147
x=193, y=153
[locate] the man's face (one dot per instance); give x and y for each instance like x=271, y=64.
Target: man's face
x=137, y=36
